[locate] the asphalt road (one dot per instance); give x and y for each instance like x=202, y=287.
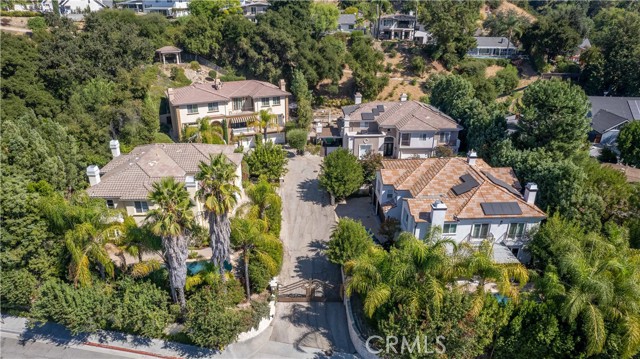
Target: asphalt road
x=308, y=219
x=13, y=348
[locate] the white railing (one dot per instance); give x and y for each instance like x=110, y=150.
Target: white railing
x=242, y=130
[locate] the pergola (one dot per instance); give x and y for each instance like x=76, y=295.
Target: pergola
x=169, y=50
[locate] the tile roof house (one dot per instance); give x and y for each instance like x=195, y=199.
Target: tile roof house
x=468, y=199
x=397, y=129
x=609, y=114
x=126, y=180
x=493, y=47
x=236, y=102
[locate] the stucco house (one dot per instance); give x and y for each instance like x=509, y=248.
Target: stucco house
x=468, y=199
x=493, y=47
x=346, y=23
x=397, y=129
x=126, y=180
x=76, y=6
x=402, y=27
x=251, y=8
x=236, y=102
x=609, y=114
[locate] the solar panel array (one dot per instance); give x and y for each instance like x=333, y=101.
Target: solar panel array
x=375, y=112
x=380, y=108
x=500, y=208
x=501, y=183
x=367, y=116
x=468, y=183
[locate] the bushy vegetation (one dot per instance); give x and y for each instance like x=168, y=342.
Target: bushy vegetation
x=341, y=174
x=268, y=160
x=297, y=138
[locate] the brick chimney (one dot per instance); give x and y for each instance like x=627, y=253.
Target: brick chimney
x=357, y=98
x=93, y=172
x=114, y=145
x=438, y=212
x=530, y=191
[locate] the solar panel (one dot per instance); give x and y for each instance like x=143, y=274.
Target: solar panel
x=367, y=116
x=375, y=112
x=468, y=183
x=500, y=208
x=501, y=183
x=380, y=108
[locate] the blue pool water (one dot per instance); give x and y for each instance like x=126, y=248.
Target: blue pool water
x=195, y=267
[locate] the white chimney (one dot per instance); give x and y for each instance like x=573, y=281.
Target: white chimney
x=530, y=191
x=114, y=145
x=93, y=172
x=283, y=85
x=319, y=127
x=438, y=211
x=358, y=98
x=403, y=97
x=471, y=157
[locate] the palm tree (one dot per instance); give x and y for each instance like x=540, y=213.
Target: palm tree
x=262, y=196
x=219, y=195
x=205, y=132
x=135, y=241
x=507, y=23
x=251, y=236
x=86, y=244
x=264, y=121
x=172, y=221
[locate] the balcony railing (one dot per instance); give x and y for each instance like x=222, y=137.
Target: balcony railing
x=242, y=130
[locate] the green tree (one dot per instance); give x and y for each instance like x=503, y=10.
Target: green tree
x=507, y=23
x=268, y=160
x=265, y=121
x=418, y=65
x=86, y=245
x=349, y=239
x=506, y=80
x=211, y=322
x=219, y=194
x=297, y=138
x=324, y=17
x=341, y=174
x=370, y=162
x=206, y=131
x=252, y=237
x=366, y=62
x=300, y=90
x=553, y=116
x=449, y=92
x=141, y=308
x=629, y=143
x=172, y=221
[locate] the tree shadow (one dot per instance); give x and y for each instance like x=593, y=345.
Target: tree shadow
x=309, y=191
x=52, y=333
x=190, y=351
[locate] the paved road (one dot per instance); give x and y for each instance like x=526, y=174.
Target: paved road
x=307, y=222
x=15, y=348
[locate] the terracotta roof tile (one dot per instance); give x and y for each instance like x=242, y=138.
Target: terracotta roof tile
x=205, y=92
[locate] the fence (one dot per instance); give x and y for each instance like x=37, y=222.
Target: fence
x=187, y=57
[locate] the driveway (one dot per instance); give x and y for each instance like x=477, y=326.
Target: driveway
x=308, y=219
x=361, y=209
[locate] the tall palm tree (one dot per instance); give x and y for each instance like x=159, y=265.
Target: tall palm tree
x=262, y=196
x=508, y=24
x=219, y=195
x=264, y=121
x=172, y=220
x=205, y=132
x=252, y=237
x=86, y=244
x=135, y=241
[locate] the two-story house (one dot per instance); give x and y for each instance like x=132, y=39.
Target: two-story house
x=251, y=8
x=609, y=114
x=402, y=27
x=168, y=8
x=125, y=182
x=236, y=102
x=400, y=129
x=468, y=199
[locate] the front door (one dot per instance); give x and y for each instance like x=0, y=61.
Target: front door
x=388, y=147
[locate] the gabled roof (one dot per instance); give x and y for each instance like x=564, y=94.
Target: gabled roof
x=431, y=179
x=347, y=19
x=605, y=120
x=500, y=42
x=402, y=115
x=130, y=176
x=206, y=92
x=399, y=17
x=625, y=107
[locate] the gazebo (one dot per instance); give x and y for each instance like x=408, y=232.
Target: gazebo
x=169, y=50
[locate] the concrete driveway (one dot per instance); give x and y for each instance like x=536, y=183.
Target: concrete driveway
x=308, y=219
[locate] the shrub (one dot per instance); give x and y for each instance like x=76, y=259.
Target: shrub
x=341, y=174
x=506, y=80
x=393, y=53
x=297, y=139
x=370, y=162
x=141, y=308
x=313, y=149
x=351, y=10
x=259, y=276
x=425, y=99
x=19, y=13
x=389, y=228
x=37, y=23
x=267, y=159
x=194, y=65
x=232, y=77
x=444, y=151
x=388, y=68
x=178, y=76
x=472, y=68
x=348, y=240
x=213, y=74
x=211, y=321
x=418, y=65
x=160, y=137
x=17, y=288
x=607, y=155
x=413, y=82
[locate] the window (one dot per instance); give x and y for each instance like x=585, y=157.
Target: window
x=405, y=139
x=444, y=137
x=141, y=206
x=276, y=101
x=212, y=107
x=389, y=194
x=238, y=103
x=265, y=102
x=253, y=10
x=406, y=218
x=423, y=136
x=450, y=228
x=480, y=230
x=111, y=204
x=238, y=124
x=191, y=109
x=516, y=230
